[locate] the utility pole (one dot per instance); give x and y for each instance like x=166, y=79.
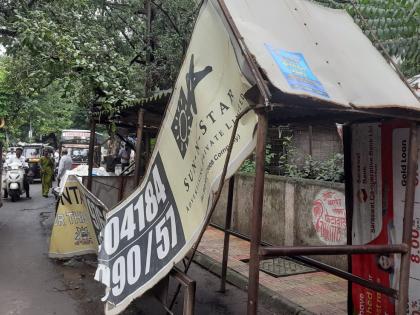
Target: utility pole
x=147, y=84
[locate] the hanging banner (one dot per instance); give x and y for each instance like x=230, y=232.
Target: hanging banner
x=400, y=143
x=367, y=182
x=158, y=224
x=385, y=268
x=78, y=222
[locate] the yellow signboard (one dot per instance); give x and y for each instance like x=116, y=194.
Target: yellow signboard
x=78, y=221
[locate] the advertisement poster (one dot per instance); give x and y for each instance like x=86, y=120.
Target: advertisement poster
x=156, y=226
x=385, y=269
x=78, y=222
x=367, y=182
x=400, y=142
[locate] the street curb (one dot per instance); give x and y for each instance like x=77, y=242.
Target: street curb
x=283, y=305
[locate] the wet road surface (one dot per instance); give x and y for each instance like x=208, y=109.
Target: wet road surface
x=33, y=284
x=30, y=283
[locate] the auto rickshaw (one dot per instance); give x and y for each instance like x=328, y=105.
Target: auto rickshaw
x=33, y=152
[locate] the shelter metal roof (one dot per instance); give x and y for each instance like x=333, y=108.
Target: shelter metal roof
x=318, y=54
x=152, y=103
x=126, y=114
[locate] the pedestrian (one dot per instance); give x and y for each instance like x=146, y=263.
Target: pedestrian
x=64, y=165
x=47, y=171
x=124, y=154
x=17, y=158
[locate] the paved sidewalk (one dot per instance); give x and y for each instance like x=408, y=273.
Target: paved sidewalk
x=310, y=293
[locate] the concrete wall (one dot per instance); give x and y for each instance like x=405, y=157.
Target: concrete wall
x=287, y=213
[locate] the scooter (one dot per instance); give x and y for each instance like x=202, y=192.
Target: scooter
x=13, y=181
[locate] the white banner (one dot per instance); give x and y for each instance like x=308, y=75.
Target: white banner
x=400, y=142
x=367, y=182
x=158, y=224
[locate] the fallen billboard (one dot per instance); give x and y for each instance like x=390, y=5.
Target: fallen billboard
x=78, y=222
x=156, y=226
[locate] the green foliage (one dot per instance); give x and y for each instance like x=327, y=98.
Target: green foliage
x=47, y=111
x=331, y=169
x=394, y=22
x=248, y=166
x=77, y=53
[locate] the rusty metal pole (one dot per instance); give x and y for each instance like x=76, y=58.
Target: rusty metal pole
x=277, y=251
x=408, y=221
x=121, y=189
x=189, y=299
x=256, y=214
x=91, y=152
x=139, y=135
x=228, y=223
x=348, y=186
x=189, y=295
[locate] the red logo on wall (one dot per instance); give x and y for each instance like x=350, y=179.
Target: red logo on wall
x=329, y=217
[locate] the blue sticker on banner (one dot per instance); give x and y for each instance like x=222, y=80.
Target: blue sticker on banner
x=296, y=71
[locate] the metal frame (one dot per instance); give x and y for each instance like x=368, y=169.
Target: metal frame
x=256, y=253
x=140, y=123
x=260, y=250
x=404, y=248
x=160, y=291
x=189, y=285
x=91, y=152
x=228, y=223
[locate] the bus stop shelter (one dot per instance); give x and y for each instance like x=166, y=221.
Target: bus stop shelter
x=311, y=64
x=305, y=63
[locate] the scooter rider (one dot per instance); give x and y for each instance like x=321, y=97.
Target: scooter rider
x=19, y=159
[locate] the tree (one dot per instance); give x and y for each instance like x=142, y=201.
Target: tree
x=394, y=22
x=91, y=51
x=101, y=44
x=47, y=111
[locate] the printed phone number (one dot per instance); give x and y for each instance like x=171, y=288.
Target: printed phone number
x=161, y=237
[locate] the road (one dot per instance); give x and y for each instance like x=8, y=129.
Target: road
x=33, y=284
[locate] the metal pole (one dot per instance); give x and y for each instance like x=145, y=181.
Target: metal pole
x=256, y=214
x=91, y=152
x=121, y=189
x=348, y=186
x=189, y=299
x=228, y=223
x=140, y=123
x=330, y=269
x=190, y=285
x=270, y=252
x=408, y=221
x=348, y=276
x=146, y=146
